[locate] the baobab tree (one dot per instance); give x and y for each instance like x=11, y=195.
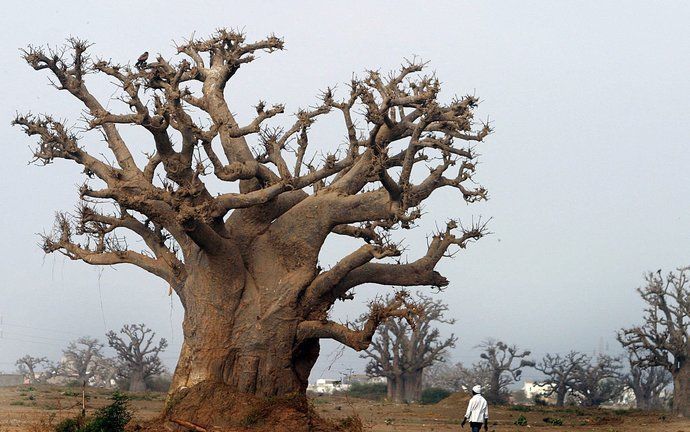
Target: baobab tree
x=599, y=381
x=504, y=363
x=244, y=262
x=647, y=383
x=561, y=373
x=138, y=356
x=81, y=360
x=662, y=340
x=29, y=366
x=402, y=350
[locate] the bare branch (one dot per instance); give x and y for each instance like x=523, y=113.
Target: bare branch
x=358, y=339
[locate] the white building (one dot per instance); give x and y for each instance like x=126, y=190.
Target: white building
x=363, y=379
x=327, y=386
x=532, y=389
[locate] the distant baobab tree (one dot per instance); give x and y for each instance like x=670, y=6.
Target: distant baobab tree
x=599, y=381
x=662, y=339
x=402, y=350
x=647, y=383
x=29, y=366
x=81, y=360
x=504, y=363
x=138, y=355
x=244, y=262
x=561, y=373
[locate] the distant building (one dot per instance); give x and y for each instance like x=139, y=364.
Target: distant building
x=11, y=380
x=363, y=379
x=328, y=386
x=532, y=389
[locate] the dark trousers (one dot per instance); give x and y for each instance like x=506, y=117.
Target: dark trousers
x=475, y=426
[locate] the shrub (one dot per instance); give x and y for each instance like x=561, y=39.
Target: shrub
x=540, y=401
x=110, y=418
x=554, y=421
x=434, y=395
x=70, y=425
x=521, y=421
x=372, y=391
x=521, y=408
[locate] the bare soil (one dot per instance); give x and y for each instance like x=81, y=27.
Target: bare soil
x=36, y=408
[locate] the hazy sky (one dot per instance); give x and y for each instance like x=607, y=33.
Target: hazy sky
x=588, y=170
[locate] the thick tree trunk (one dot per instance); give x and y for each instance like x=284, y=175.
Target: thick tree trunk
x=412, y=384
x=32, y=375
x=405, y=388
x=681, y=391
x=560, y=396
x=136, y=381
x=390, y=389
x=398, y=384
x=642, y=400
x=494, y=394
x=237, y=351
x=401, y=389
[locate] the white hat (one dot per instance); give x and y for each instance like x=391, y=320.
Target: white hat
x=477, y=389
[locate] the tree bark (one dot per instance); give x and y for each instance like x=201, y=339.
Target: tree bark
x=390, y=389
x=136, y=381
x=413, y=386
x=642, y=400
x=243, y=346
x=398, y=389
x=405, y=388
x=560, y=396
x=681, y=391
x=494, y=394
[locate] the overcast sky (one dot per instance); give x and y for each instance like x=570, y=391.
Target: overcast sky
x=588, y=169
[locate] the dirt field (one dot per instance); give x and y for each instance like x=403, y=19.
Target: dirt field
x=34, y=409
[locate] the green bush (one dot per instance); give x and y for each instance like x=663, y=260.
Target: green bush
x=540, y=401
x=521, y=421
x=521, y=408
x=70, y=425
x=110, y=418
x=434, y=395
x=373, y=391
x=554, y=421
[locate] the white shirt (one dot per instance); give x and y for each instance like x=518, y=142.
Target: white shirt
x=477, y=409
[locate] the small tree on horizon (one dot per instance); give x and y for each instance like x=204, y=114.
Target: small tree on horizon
x=29, y=367
x=561, y=373
x=504, y=364
x=598, y=381
x=138, y=356
x=81, y=360
x=648, y=383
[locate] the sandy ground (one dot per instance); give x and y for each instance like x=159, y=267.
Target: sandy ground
x=34, y=409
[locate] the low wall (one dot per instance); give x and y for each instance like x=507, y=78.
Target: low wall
x=7, y=380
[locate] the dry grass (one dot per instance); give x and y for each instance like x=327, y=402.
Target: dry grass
x=37, y=409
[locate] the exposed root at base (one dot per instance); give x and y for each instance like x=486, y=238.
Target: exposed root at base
x=208, y=408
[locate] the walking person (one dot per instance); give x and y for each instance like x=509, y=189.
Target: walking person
x=477, y=411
